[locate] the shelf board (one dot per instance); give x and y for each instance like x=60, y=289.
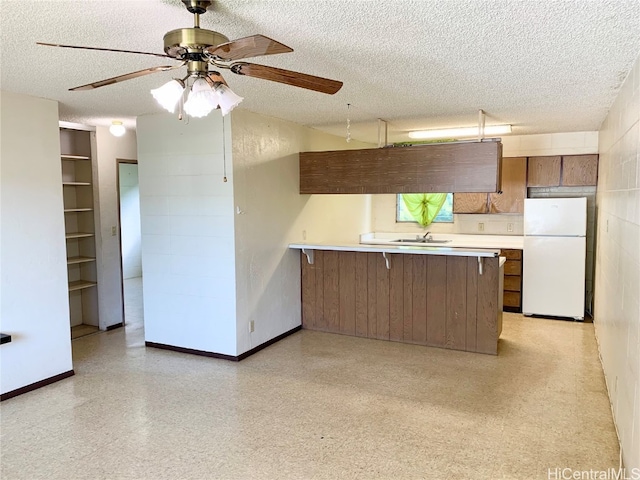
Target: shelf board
x=76, y=184
x=74, y=157
x=69, y=210
x=78, y=235
x=75, y=260
x=80, y=284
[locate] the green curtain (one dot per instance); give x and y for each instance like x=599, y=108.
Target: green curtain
x=424, y=206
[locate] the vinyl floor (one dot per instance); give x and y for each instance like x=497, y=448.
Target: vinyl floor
x=317, y=406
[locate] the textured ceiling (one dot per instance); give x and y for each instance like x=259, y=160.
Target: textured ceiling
x=543, y=65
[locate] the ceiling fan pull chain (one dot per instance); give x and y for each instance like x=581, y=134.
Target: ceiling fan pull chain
x=224, y=154
x=348, y=123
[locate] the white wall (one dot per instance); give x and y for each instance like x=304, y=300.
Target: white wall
x=617, y=288
x=188, y=256
x=130, y=237
x=34, y=302
x=108, y=149
x=274, y=214
x=571, y=143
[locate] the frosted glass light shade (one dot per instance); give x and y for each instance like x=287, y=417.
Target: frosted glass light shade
x=168, y=95
x=117, y=129
x=227, y=98
x=460, y=132
x=202, y=99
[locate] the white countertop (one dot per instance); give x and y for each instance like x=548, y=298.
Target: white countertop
x=515, y=242
x=387, y=247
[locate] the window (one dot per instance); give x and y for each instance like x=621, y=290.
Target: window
x=444, y=215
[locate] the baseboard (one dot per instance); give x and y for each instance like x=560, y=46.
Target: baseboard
x=191, y=351
x=248, y=353
x=233, y=358
x=36, y=385
x=114, y=326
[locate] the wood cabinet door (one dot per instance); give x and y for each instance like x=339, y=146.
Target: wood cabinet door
x=514, y=187
x=579, y=170
x=470, y=203
x=439, y=167
x=543, y=171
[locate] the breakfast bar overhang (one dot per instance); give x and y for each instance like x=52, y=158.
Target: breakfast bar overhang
x=434, y=296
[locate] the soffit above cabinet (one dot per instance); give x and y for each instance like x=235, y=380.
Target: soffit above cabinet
x=444, y=167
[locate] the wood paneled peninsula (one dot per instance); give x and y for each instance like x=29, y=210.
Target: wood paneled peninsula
x=426, y=295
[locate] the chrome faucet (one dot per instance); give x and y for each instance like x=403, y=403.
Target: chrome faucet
x=424, y=237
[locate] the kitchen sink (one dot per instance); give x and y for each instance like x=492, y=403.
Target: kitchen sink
x=421, y=240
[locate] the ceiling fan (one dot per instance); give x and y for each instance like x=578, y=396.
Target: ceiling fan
x=199, y=49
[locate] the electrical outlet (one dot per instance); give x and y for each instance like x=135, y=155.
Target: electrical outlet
x=114, y=230
x=509, y=227
x=252, y=326
x=480, y=227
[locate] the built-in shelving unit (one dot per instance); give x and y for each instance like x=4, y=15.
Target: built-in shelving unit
x=77, y=190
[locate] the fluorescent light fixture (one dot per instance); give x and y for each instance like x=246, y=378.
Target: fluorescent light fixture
x=117, y=129
x=169, y=94
x=459, y=132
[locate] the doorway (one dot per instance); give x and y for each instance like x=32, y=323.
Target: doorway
x=130, y=242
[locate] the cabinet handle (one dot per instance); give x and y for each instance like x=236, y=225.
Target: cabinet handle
x=480, y=265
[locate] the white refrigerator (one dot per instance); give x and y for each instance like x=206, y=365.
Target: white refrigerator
x=553, y=281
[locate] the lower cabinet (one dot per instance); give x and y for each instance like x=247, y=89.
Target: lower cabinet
x=512, y=294
x=435, y=300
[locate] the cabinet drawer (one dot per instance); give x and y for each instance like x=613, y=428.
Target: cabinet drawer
x=511, y=299
x=511, y=254
x=513, y=267
x=512, y=283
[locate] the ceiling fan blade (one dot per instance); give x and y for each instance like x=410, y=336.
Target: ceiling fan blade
x=122, y=78
x=252, y=46
x=103, y=49
x=297, y=79
x=215, y=77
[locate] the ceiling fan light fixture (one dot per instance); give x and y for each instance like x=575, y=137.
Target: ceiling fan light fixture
x=227, y=98
x=168, y=95
x=202, y=99
x=117, y=129
x=459, y=132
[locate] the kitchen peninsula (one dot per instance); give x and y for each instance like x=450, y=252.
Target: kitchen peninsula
x=435, y=296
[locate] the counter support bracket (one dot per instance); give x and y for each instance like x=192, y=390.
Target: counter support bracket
x=386, y=260
x=309, y=254
x=480, y=265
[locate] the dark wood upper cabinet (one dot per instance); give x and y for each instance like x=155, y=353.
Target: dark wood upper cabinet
x=511, y=200
x=470, y=202
x=514, y=187
x=543, y=171
x=436, y=168
x=579, y=170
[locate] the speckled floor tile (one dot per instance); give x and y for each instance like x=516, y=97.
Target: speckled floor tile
x=317, y=406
